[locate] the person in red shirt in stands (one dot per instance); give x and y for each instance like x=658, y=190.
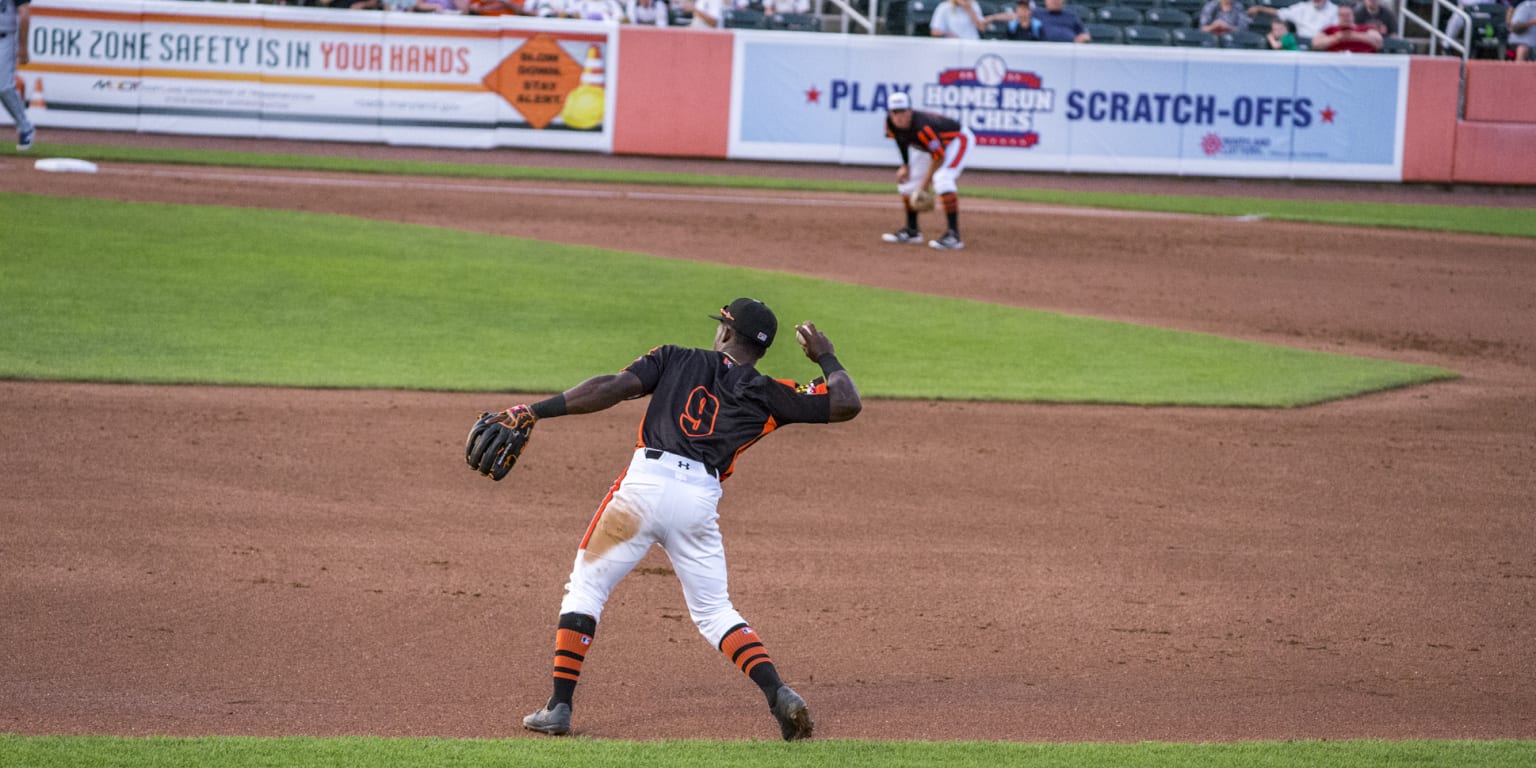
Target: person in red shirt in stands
x=1348, y=36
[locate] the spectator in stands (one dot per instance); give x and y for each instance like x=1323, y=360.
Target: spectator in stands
x=1310, y=16
x=495, y=8
x=1282, y=35
x=1023, y=26
x=1223, y=17
x=395, y=5
x=648, y=12
x=706, y=13
x=1372, y=13
x=1455, y=26
x=1521, y=21
x=1348, y=37
x=786, y=6
x=1058, y=25
x=593, y=10
x=962, y=19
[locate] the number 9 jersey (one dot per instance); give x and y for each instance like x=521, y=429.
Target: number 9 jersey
x=706, y=406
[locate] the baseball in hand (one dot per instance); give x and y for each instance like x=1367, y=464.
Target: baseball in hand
x=802, y=336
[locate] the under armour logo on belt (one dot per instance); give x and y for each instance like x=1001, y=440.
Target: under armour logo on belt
x=684, y=465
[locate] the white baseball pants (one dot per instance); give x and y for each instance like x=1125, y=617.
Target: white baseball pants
x=672, y=501
x=945, y=177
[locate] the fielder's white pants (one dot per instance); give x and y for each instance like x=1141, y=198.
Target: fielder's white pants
x=918, y=160
x=8, y=95
x=671, y=501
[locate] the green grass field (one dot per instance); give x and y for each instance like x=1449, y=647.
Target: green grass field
x=105, y=291
x=230, y=296
x=355, y=752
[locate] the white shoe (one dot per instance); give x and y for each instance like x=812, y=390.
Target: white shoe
x=903, y=235
x=949, y=242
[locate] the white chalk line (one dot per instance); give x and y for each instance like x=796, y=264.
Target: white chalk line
x=601, y=193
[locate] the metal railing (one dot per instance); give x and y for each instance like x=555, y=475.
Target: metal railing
x=851, y=15
x=1432, y=26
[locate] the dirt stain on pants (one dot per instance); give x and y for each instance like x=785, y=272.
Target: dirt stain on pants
x=617, y=524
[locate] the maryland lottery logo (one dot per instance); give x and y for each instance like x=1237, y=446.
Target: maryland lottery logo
x=998, y=104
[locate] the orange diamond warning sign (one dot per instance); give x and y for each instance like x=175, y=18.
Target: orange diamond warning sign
x=535, y=79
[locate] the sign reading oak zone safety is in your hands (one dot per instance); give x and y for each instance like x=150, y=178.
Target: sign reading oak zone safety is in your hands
x=314, y=73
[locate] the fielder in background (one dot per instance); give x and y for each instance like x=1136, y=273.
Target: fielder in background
x=15, y=25
x=707, y=406
x=940, y=157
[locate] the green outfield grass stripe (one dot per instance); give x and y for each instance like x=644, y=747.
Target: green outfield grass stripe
x=371, y=752
x=1513, y=222
x=138, y=292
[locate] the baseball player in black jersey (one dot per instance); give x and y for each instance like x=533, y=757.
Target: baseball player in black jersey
x=707, y=406
x=941, y=145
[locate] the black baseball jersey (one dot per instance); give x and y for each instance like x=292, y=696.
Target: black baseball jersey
x=706, y=406
x=927, y=130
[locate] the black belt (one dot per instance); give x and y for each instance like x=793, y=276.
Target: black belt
x=655, y=455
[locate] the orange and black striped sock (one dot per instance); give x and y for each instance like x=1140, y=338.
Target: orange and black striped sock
x=743, y=647
x=572, y=640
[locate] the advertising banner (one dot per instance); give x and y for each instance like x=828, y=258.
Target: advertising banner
x=1064, y=107
x=310, y=73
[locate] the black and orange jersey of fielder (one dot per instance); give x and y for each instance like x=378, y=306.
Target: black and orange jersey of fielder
x=927, y=130
x=706, y=406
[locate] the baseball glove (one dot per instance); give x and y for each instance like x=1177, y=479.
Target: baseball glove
x=921, y=200
x=493, y=447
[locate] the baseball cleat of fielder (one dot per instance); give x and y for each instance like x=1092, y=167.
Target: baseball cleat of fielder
x=949, y=242
x=24, y=139
x=794, y=719
x=555, y=722
x=903, y=235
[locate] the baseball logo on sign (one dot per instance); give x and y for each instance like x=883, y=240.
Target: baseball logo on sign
x=990, y=70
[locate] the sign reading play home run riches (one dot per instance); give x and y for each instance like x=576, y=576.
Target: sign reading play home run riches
x=1063, y=107
x=259, y=70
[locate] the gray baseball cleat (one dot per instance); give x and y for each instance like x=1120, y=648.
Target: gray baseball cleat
x=903, y=235
x=555, y=722
x=949, y=242
x=794, y=719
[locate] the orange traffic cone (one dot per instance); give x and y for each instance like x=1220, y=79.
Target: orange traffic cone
x=584, y=106
x=37, y=101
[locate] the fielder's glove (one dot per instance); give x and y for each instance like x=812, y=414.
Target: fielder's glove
x=497, y=439
x=921, y=200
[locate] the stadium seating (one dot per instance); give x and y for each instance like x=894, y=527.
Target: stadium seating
x=1396, y=45
x=919, y=14
x=1244, y=39
x=795, y=22
x=741, y=18
x=1190, y=37
x=1167, y=18
x=1105, y=33
x=1117, y=15
x=1191, y=7
x=1142, y=34
x=1490, y=35
x=1140, y=5
x=1082, y=12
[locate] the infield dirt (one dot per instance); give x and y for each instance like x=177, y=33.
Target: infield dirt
x=188, y=560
